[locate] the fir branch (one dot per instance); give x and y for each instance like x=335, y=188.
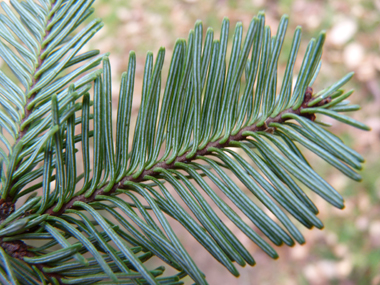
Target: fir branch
x=200, y=115
x=49, y=51
x=28, y=111
x=184, y=159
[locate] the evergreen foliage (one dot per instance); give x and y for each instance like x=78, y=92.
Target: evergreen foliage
x=204, y=125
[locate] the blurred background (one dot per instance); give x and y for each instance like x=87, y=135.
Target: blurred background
x=347, y=251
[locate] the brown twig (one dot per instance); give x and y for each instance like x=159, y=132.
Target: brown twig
x=18, y=249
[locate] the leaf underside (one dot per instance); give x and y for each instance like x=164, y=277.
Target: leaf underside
x=220, y=119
